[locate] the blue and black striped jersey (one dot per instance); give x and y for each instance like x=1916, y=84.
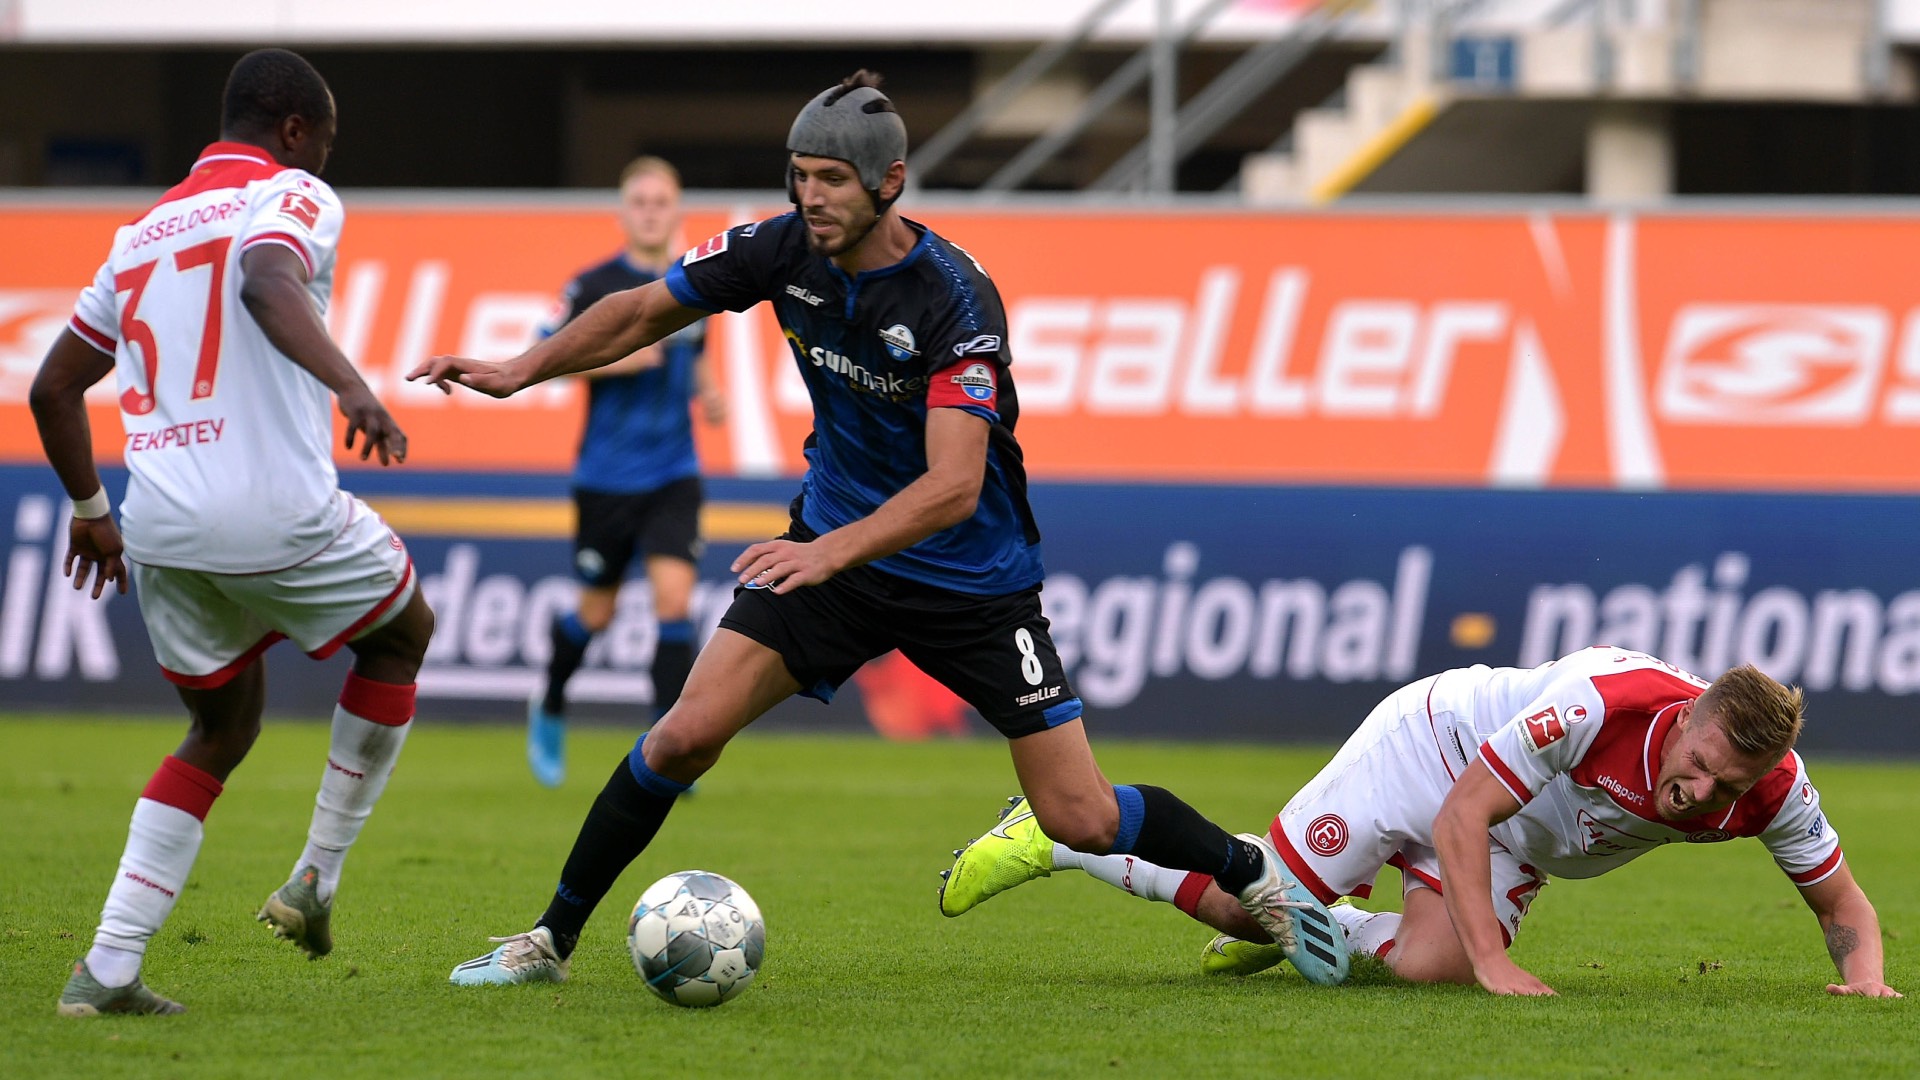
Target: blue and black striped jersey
x=876, y=351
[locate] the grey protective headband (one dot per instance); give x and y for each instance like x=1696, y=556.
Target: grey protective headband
x=856, y=126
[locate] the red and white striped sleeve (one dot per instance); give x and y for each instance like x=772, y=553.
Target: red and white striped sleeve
x=96, y=314
x=1799, y=837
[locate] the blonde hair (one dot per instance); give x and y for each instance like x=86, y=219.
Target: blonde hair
x=649, y=163
x=1761, y=717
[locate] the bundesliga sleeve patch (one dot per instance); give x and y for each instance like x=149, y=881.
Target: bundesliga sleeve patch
x=707, y=250
x=300, y=208
x=1546, y=727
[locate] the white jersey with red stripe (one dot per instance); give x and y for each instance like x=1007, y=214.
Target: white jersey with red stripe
x=228, y=441
x=1577, y=741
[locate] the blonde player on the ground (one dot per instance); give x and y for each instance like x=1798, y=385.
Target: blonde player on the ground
x=209, y=307
x=1480, y=784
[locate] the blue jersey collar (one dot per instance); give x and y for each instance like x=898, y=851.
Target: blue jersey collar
x=922, y=244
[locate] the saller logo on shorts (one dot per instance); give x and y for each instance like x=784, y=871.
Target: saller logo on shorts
x=1038, y=696
x=1542, y=729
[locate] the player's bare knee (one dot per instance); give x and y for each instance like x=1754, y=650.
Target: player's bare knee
x=394, y=652
x=1429, y=965
x=413, y=630
x=679, y=745
x=217, y=741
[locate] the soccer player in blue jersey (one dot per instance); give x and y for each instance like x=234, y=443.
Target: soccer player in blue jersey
x=911, y=530
x=636, y=482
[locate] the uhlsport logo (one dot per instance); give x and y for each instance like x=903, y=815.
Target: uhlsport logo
x=976, y=382
x=899, y=342
x=1772, y=363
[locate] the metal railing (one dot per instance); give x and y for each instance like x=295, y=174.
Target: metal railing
x=1229, y=94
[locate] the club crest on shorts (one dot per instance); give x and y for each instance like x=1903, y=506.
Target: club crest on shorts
x=900, y=342
x=976, y=382
x=1327, y=835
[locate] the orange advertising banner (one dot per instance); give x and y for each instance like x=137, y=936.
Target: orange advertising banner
x=1522, y=349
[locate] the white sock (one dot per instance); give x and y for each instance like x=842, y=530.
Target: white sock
x=113, y=967
x=1369, y=933
x=1129, y=872
x=162, y=843
x=359, y=761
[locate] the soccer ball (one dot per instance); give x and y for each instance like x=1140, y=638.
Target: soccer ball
x=696, y=938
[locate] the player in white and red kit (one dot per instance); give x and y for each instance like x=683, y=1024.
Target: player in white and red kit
x=210, y=309
x=1480, y=784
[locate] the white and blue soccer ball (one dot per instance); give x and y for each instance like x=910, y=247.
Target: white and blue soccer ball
x=697, y=938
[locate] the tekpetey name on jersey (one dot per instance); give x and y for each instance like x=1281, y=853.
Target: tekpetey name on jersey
x=192, y=433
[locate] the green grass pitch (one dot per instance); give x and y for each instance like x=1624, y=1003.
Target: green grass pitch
x=1692, y=961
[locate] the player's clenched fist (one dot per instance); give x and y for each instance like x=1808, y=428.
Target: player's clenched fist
x=493, y=380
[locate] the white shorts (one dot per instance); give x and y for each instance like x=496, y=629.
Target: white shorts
x=206, y=627
x=1374, y=804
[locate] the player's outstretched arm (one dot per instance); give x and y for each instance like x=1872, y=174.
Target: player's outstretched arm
x=274, y=289
x=1477, y=802
x=944, y=496
x=58, y=400
x=1852, y=929
x=616, y=327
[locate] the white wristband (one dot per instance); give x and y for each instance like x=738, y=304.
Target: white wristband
x=93, y=506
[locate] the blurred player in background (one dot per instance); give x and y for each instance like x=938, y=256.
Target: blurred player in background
x=1479, y=783
x=636, y=483
x=209, y=309
x=912, y=530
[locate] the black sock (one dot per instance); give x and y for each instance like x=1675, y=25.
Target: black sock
x=671, y=662
x=1173, y=834
x=618, y=828
x=570, y=640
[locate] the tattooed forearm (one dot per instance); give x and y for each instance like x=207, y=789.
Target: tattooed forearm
x=1841, y=941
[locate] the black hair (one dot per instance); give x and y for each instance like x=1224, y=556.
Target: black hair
x=862, y=79
x=269, y=85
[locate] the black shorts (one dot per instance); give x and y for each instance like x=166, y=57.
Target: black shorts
x=992, y=651
x=613, y=527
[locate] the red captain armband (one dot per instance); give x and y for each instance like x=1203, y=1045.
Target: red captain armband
x=972, y=383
